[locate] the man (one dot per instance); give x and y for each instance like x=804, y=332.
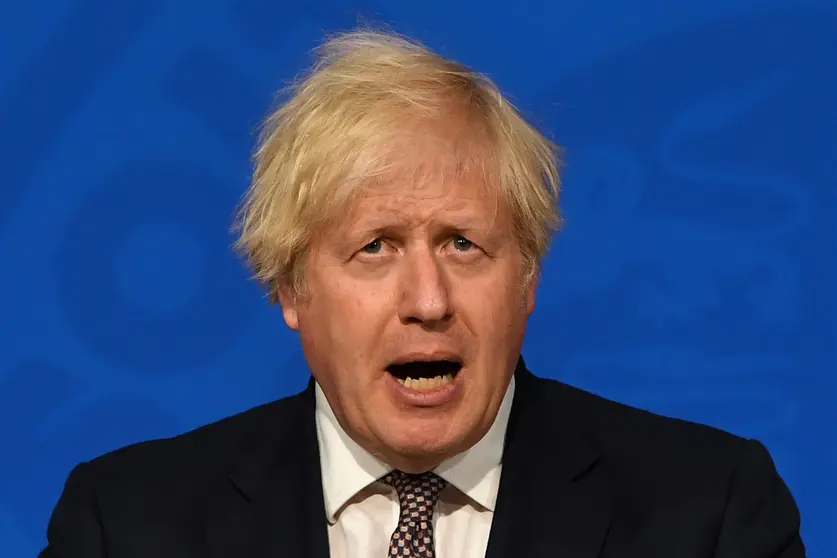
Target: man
x=398, y=213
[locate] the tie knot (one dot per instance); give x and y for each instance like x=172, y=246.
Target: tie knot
x=416, y=492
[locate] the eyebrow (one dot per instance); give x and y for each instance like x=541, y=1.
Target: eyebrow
x=384, y=224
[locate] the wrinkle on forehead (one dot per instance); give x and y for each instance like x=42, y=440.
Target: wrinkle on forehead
x=465, y=202
x=418, y=199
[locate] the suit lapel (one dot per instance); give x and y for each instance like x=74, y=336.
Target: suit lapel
x=271, y=504
x=554, y=498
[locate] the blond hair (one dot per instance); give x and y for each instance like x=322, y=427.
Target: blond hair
x=340, y=128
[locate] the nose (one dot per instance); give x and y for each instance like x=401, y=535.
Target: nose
x=425, y=292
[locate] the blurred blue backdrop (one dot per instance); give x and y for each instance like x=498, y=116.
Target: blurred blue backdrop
x=695, y=277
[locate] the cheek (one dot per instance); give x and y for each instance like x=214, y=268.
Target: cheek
x=357, y=320
x=498, y=301
x=497, y=318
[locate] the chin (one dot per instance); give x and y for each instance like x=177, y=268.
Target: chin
x=425, y=440
x=416, y=458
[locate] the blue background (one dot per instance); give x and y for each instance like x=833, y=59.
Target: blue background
x=695, y=277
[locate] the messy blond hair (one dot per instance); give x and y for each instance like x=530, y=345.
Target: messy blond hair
x=340, y=127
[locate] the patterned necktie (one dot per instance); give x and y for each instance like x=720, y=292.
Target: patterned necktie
x=417, y=495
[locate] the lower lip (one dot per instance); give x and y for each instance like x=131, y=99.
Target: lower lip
x=433, y=397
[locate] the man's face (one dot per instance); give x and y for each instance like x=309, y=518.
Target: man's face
x=420, y=281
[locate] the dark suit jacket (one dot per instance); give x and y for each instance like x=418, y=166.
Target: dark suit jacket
x=582, y=477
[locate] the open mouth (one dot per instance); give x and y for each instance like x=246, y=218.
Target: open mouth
x=425, y=375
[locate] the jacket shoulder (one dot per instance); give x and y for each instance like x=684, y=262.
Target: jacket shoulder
x=644, y=444
x=198, y=453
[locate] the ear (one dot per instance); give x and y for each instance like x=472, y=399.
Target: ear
x=529, y=294
x=289, y=303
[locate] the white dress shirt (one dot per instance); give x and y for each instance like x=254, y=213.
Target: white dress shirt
x=363, y=512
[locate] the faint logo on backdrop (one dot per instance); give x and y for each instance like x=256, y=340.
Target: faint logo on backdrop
x=36, y=110
x=681, y=279
x=674, y=223
x=43, y=410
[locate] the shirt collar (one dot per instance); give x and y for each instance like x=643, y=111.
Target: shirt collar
x=347, y=468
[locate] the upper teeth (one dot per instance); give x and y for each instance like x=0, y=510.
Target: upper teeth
x=426, y=383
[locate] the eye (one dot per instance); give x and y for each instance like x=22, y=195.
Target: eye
x=462, y=244
x=373, y=247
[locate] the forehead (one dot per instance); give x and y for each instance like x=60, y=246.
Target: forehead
x=465, y=199
x=419, y=170
x=455, y=163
